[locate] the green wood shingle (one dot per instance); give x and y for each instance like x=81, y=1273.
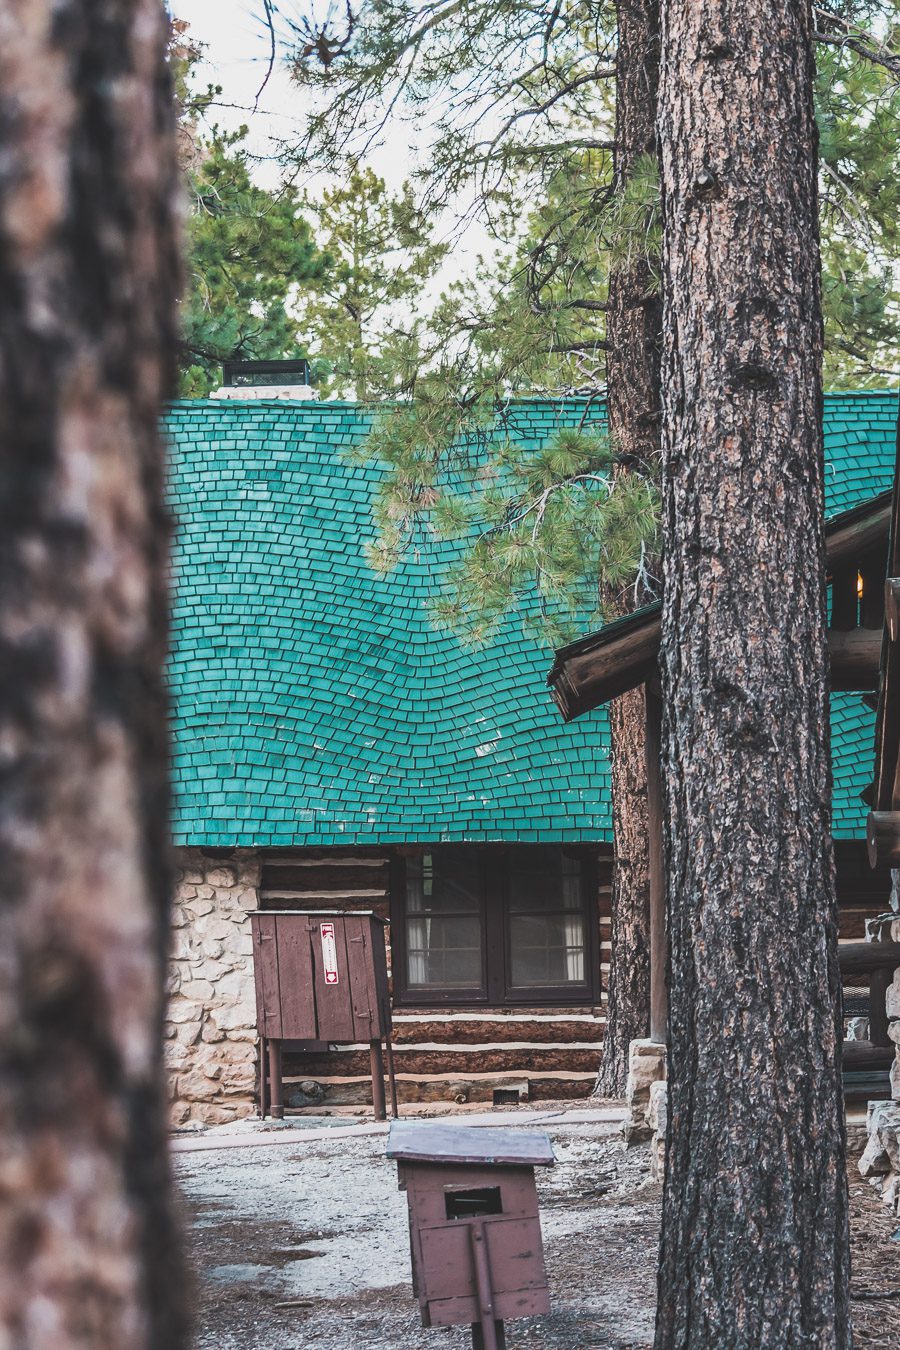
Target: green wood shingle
x=313, y=703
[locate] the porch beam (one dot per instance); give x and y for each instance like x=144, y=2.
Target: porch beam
x=862, y=958
x=892, y=607
x=855, y=658
x=883, y=838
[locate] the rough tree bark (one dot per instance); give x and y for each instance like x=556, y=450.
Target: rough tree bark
x=89, y=1253
x=633, y=330
x=754, y=1249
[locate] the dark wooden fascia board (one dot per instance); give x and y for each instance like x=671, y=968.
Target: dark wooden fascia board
x=624, y=654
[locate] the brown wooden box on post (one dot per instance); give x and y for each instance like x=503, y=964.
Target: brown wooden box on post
x=321, y=975
x=475, y=1234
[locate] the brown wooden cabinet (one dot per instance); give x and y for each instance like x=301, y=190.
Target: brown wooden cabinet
x=321, y=976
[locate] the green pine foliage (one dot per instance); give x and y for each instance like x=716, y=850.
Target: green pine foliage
x=522, y=108
x=249, y=250
x=250, y=253
x=354, y=314
x=521, y=101
x=858, y=107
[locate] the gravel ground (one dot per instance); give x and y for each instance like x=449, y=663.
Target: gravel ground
x=304, y=1246
x=307, y=1246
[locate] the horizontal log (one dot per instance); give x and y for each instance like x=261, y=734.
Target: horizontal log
x=303, y=855
x=852, y=923
x=883, y=838
x=492, y=1033
x=347, y=1091
x=855, y=658
x=892, y=607
x=864, y=1057
x=581, y=680
x=367, y=904
x=413, y=1061
x=606, y=664
x=331, y=875
x=867, y=1087
x=862, y=958
x=858, y=530
x=309, y=899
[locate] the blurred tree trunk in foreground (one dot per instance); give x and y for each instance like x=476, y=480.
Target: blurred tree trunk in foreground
x=754, y=1248
x=89, y=1251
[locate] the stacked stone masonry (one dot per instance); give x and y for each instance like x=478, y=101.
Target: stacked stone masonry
x=881, y=1160
x=211, y=1044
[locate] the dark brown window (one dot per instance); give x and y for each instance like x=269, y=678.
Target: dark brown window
x=495, y=925
x=444, y=929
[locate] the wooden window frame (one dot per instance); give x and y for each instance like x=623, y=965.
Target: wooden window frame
x=496, y=990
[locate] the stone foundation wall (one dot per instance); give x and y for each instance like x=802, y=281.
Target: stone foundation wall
x=881, y=1160
x=211, y=1043
x=646, y=1066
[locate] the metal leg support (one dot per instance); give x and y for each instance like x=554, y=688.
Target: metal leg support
x=392, y=1079
x=276, y=1092
x=376, y=1060
x=487, y=1324
x=478, y=1336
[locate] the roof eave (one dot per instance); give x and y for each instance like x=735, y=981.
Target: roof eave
x=624, y=654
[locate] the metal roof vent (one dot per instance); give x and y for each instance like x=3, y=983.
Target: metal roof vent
x=286, y=380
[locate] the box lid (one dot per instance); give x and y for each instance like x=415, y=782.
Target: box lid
x=415, y=1141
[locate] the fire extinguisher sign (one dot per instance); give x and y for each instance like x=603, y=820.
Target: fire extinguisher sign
x=329, y=954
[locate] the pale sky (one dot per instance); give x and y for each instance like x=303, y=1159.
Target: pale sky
x=237, y=56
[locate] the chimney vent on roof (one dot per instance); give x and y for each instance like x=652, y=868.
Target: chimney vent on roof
x=265, y=380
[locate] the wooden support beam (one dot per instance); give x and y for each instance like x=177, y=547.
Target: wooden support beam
x=596, y=669
x=659, y=1001
x=855, y=659
x=862, y=958
x=859, y=1056
x=624, y=653
x=883, y=838
x=857, y=531
x=878, y=1018
x=892, y=607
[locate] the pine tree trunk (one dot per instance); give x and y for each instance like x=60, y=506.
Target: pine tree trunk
x=754, y=1248
x=88, y=1246
x=628, y=992
x=633, y=329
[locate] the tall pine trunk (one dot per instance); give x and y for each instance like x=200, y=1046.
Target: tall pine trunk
x=633, y=328
x=754, y=1248
x=88, y=1245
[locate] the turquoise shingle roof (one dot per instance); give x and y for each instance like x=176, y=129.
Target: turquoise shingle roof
x=314, y=704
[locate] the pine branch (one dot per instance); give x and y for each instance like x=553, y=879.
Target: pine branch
x=855, y=39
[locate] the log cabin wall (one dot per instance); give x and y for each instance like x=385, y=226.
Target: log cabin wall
x=862, y=891
x=443, y=1054
x=863, y=894
x=457, y=1054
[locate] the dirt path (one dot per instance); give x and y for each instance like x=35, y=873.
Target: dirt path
x=324, y=1228
x=306, y=1246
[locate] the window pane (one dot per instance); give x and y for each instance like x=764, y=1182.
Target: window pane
x=546, y=949
x=444, y=952
x=443, y=881
x=544, y=879
x=443, y=921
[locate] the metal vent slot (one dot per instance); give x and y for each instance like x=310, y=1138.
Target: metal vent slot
x=471, y=1204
